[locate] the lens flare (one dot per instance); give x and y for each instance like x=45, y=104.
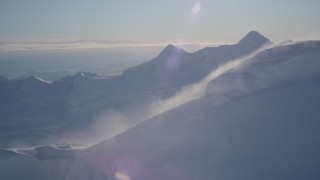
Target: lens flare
x=121, y=176
x=196, y=8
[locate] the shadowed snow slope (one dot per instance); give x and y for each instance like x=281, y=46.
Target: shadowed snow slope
x=257, y=122
x=272, y=134
x=267, y=131
x=278, y=65
x=174, y=67
x=32, y=109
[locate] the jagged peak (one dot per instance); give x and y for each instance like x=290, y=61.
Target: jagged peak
x=171, y=48
x=254, y=37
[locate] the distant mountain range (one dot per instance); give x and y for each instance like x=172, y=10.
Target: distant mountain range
x=73, y=101
x=257, y=121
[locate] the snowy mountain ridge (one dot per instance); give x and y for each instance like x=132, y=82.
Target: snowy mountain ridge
x=257, y=117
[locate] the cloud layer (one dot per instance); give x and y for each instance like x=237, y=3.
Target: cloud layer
x=94, y=44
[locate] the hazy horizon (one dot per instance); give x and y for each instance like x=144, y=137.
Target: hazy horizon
x=17, y=59
x=110, y=36
x=198, y=20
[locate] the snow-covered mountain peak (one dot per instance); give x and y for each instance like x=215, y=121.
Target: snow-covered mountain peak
x=169, y=49
x=254, y=37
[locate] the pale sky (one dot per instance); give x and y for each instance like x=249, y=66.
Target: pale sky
x=210, y=20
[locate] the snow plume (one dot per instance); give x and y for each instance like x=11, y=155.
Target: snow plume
x=197, y=90
x=112, y=123
x=105, y=125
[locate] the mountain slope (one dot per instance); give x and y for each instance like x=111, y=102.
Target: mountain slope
x=175, y=68
x=31, y=108
x=269, y=135
x=260, y=121
x=278, y=65
x=267, y=132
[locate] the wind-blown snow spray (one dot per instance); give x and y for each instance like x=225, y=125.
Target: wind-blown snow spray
x=118, y=122
x=197, y=90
